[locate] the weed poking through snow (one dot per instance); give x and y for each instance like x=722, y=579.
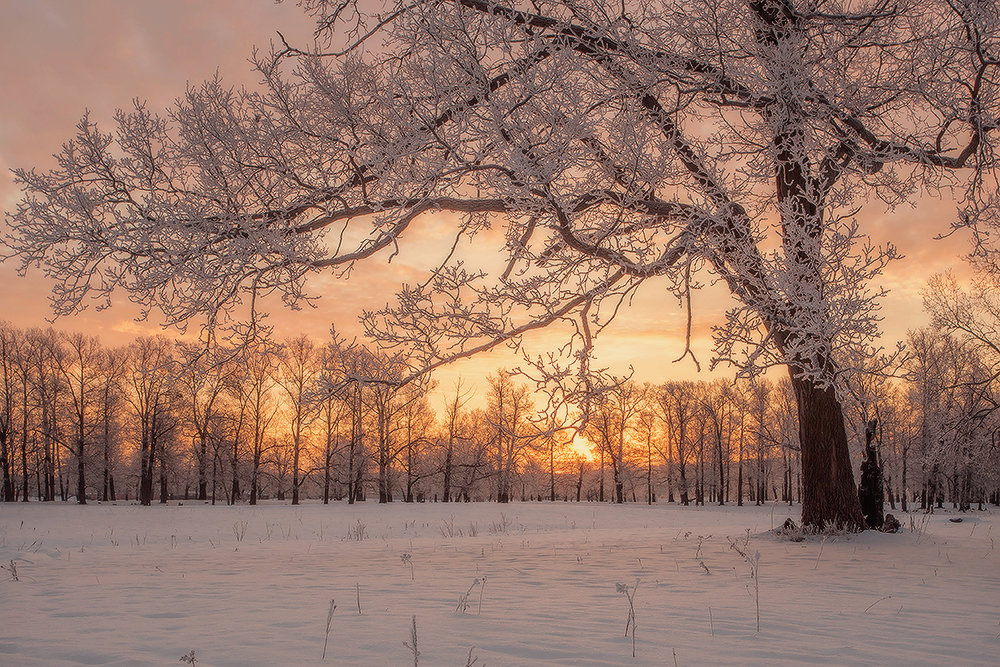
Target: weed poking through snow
x=412, y=644
x=329, y=623
x=754, y=564
x=464, y=601
x=407, y=560
x=12, y=568
x=630, y=620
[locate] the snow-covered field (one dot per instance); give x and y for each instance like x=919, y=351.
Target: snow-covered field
x=244, y=585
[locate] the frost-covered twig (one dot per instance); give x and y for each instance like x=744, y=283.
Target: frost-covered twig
x=887, y=597
x=412, y=644
x=12, y=568
x=821, y=544
x=754, y=563
x=407, y=560
x=329, y=623
x=630, y=620
x=463, y=600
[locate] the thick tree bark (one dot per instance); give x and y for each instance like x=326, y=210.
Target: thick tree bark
x=830, y=497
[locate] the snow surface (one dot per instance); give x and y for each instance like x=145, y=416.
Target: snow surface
x=127, y=585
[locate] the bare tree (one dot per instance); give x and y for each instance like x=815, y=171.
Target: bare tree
x=79, y=366
x=148, y=372
x=300, y=369
x=646, y=430
x=252, y=386
x=416, y=423
x=8, y=398
x=610, y=426
x=452, y=420
x=717, y=405
x=334, y=405
x=111, y=406
x=24, y=349
x=201, y=375
x=678, y=408
x=511, y=434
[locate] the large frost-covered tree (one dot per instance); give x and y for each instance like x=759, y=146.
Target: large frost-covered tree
x=613, y=142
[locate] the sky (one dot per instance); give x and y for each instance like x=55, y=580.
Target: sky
x=60, y=57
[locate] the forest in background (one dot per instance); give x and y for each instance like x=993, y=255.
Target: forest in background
x=160, y=419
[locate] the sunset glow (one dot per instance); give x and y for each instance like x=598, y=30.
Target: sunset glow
x=443, y=332
x=130, y=50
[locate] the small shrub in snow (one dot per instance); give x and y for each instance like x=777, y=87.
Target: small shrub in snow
x=448, y=528
x=240, y=530
x=358, y=532
x=790, y=530
x=500, y=527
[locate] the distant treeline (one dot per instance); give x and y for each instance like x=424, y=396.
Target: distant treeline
x=161, y=419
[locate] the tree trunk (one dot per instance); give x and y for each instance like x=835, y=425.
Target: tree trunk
x=203, y=467
x=446, y=484
x=81, y=483
x=146, y=470
x=328, y=456
x=8, y=483
x=295, y=473
x=163, y=480
x=830, y=498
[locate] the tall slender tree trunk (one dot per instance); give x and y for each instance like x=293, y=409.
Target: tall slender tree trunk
x=295, y=470
x=203, y=466
x=600, y=493
x=739, y=480
x=24, y=440
x=552, y=472
x=327, y=459
x=145, y=470
x=81, y=482
x=163, y=480
x=448, y=458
